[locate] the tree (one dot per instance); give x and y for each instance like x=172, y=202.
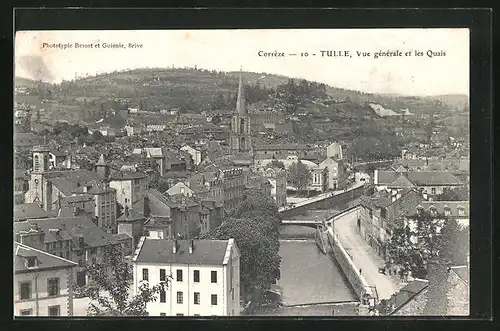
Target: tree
x=456, y=194
x=216, y=119
x=455, y=244
x=109, y=287
x=299, y=175
x=277, y=164
x=255, y=227
x=434, y=237
x=163, y=187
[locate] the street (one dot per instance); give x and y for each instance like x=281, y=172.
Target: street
x=363, y=256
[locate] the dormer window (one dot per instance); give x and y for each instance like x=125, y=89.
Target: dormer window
x=447, y=211
x=31, y=262
x=461, y=211
x=433, y=211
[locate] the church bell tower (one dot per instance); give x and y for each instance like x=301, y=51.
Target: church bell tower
x=241, y=138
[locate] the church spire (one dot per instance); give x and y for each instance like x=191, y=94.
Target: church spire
x=240, y=102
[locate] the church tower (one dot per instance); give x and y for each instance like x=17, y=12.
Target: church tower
x=241, y=138
x=41, y=164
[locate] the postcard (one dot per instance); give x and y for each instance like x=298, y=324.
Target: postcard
x=283, y=172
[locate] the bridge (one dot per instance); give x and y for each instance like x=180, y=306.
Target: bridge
x=309, y=223
x=323, y=201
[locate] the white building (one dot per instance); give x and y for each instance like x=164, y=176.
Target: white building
x=130, y=188
x=334, y=150
x=197, y=153
x=205, y=276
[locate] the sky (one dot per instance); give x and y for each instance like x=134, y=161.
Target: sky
x=228, y=50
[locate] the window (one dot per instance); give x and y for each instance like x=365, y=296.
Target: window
x=214, y=276
x=196, y=298
x=163, y=314
x=26, y=312
x=383, y=212
x=447, y=212
x=214, y=300
x=53, y=287
x=232, y=294
x=162, y=275
x=31, y=261
x=433, y=190
x=145, y=274
x=180, y=297
x=163, y=295
x=461, y=212
x=25, y=290
x=67, y=255
x=179, y=275
x=196, y=276
x=54, y=310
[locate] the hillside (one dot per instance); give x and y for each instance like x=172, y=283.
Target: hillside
x=192, y=88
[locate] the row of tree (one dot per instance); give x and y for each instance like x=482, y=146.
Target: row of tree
x=431, y=238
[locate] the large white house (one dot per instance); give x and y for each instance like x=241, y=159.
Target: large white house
x=205, y=276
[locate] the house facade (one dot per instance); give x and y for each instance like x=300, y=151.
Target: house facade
x=205, y=276
x=42, y=283
x=335, y=172
x=77, y=239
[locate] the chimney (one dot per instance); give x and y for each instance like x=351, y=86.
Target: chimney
x=425, y=196
x=174, y=248
x=375, y=177
x=191, y=246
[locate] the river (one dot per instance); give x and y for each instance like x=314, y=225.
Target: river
x=313, y=283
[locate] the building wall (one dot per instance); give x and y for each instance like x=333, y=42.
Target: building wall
x=105, y=209
x=188, y=287
x=64, y=299
x=334, y=150
x=232, y=295
x=124, y=192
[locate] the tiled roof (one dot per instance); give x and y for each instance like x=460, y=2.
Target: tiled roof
x=69, y=228
x=206, y=252
x=407, y=294
x=30, y=211
x=44, y=259
x=121, y=236
x=158, y=222
x=420, y=178
x=462, y=272
x=159, y=204
x=127, y=175
x=77, y=198
x=401, y=181
x=131, y=215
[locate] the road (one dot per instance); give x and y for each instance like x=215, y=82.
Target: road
x=364, y=256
